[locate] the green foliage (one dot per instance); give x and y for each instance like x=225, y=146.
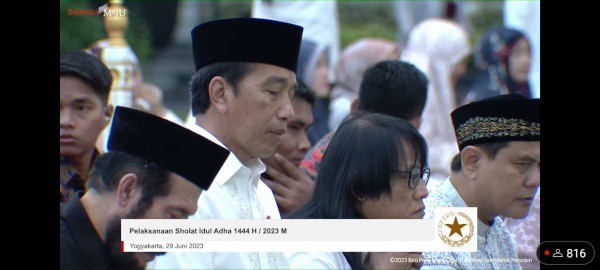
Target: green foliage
x=481, y=21
x=359, y=19
x=79, y=31
x=232, y=9
x=353, y=32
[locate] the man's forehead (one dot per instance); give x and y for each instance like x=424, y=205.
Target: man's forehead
x=522, y=149
x=270, y=74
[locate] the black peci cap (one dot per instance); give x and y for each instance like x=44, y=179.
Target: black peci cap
x=510, y=117
x=247, y=40
x=161, y=141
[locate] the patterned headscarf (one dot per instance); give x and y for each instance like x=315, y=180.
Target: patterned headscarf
x=491, y=53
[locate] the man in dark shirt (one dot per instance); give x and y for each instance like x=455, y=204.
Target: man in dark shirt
x=155, y=169
x=84, y=112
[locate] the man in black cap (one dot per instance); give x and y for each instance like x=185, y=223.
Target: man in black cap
x=241, y=99
x=497, y=171
x=155, y=169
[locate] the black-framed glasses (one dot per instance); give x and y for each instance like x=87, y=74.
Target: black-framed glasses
x=415, y=175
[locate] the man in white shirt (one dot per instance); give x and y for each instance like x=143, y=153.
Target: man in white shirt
x=241, y=99
x=497, y=171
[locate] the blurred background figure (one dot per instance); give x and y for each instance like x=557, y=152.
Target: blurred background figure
x=525, y=16
x=319, y=19
x=148, y=97
x=313, y=69
x=441, y=49
x=504, y=56
x=410, y=13
x=349, y=69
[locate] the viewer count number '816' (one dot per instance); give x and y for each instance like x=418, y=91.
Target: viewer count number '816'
x=576, y=253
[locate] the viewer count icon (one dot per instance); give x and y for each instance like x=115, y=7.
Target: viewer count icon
x=557, y=254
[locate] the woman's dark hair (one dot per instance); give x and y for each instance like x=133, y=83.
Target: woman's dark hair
x=359, y=163
x=110, y=167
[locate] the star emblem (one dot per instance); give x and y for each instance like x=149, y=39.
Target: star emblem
x=455, y=227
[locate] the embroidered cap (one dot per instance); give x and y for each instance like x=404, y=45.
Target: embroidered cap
x=510, y=117
x=247, y=40
x=161, y=141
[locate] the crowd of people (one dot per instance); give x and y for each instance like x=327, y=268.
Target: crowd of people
x=270, y=136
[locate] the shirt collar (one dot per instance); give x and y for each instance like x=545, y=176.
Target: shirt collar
x=457, y=201
x=232, y=164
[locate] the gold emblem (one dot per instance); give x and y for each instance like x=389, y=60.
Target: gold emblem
x=455, y=229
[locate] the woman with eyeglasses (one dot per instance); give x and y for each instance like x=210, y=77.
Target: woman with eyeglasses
x=375, y=167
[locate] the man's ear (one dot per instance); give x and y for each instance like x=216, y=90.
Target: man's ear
x=217, y=93
x=354, y=105
x=471, y=157
x=108, y=112
x=126, y=188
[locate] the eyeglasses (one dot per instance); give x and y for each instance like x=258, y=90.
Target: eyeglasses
x=415, y=175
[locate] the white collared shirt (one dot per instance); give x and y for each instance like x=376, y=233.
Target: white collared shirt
x=495, y=247
x=236, y=193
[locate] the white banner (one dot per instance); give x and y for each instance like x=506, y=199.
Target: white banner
x=453, y=229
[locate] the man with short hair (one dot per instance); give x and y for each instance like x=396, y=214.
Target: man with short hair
x=155, y=169
x=497, y=171
x=392, y=87
x=242, y=99
x=291, y=186
x=85, y=84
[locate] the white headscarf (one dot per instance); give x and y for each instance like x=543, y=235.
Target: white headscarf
x=435, y=46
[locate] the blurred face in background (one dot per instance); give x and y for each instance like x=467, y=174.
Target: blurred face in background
x=519, y=61
x=320, y=83
x=458, y=70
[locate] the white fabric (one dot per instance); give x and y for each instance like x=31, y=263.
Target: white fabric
x=435, y=46
x=190, y=120
x=525, y=16
x=526, y=233
x=171, y=116
x=236, y=193
x=409, y=13
x=495, y=247
x=339, y=108
x=317, y=260
x=319, y=19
